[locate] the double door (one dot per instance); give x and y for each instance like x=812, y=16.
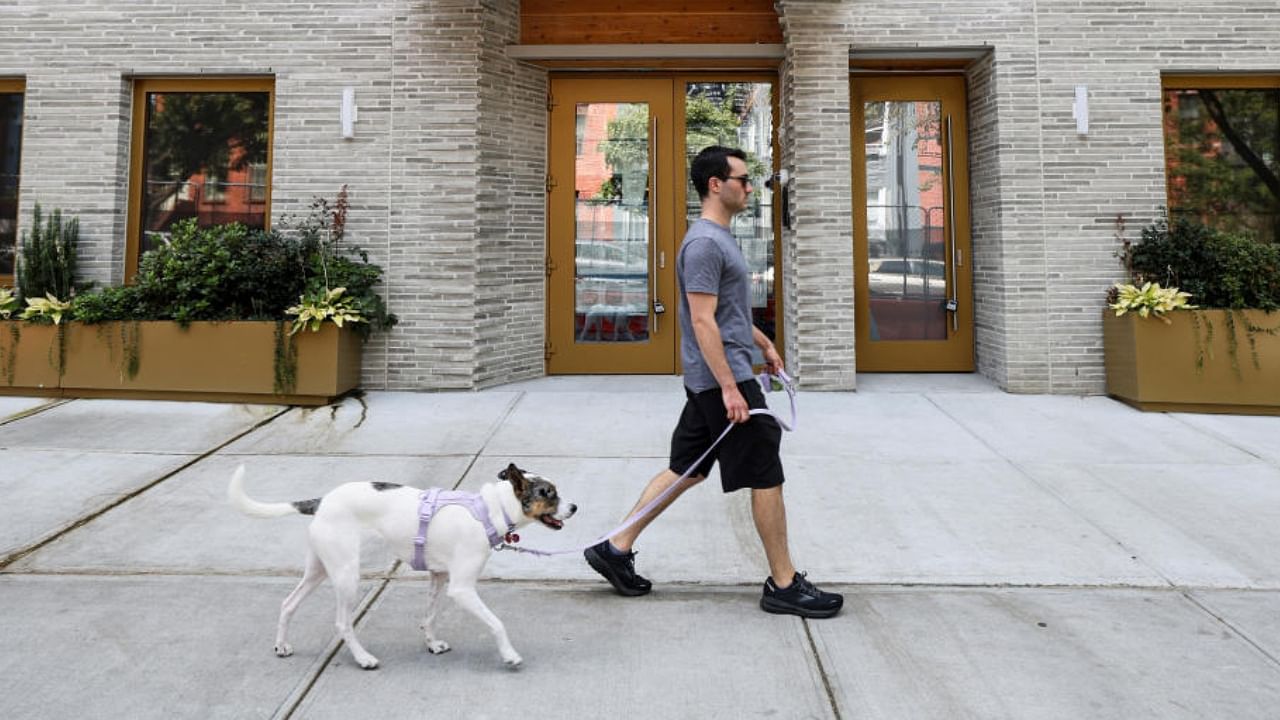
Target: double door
x=619, y=200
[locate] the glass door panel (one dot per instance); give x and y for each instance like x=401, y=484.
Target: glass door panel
x=913, y=291
x=612, y=228
x=906, y=247
x=739, y=114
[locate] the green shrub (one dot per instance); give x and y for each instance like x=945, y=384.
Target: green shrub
x=47, y=265
x=223, y=272
x=1219, y=269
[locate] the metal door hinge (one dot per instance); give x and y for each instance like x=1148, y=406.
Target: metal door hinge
x=547, y=351
x=551, y=266
x=550, y=182
x=551, y=102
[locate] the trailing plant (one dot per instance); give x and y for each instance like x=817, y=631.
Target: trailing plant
x=285, y=363
x=47, y=309
x=1149, y=300
x=313, y=310
x=8, y=303
x=47, y=265
x=11, y=353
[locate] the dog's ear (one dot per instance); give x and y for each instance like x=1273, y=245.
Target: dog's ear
x=515, y=476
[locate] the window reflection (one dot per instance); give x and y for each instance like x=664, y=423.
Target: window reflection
x=10, y=162
x=740, y=115
x=906, y=216
x=1222, y=158
x=205, y=155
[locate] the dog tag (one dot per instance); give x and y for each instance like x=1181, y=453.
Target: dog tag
x=512, y=538
x=658, y=307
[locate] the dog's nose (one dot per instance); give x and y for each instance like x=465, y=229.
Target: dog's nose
x=572, y=508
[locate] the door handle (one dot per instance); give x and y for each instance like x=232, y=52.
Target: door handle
x=953, y=300
x=655, y=307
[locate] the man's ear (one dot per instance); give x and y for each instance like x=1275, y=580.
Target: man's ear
x=515, y=476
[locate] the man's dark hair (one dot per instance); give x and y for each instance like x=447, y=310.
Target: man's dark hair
x=712, y=162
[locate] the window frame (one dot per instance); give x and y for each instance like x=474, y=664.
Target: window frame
x=137, y=136
x=10, y=86
x=1204, y=81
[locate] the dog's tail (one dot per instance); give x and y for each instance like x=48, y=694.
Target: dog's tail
x=249, y=506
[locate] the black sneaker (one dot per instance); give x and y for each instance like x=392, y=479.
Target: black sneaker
x=619, y=570
x=801, y=598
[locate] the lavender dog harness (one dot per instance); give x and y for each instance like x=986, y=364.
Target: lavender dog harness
x=433, y=499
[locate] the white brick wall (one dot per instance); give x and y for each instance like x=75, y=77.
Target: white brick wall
x=445, y=172
x=442, y=114
x=1044, y=199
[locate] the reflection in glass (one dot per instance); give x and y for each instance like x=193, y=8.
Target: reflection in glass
x=10, y=162
x=905, y=221
x=1222, y=158
x=611, y=206
x=740, y=115
x=201, y=151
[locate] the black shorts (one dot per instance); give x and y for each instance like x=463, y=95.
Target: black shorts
x=748, y=455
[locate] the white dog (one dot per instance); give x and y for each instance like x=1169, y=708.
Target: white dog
x=460, y=530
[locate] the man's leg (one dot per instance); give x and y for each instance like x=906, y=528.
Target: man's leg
x=771, y=523
x=786, y=591
x=658, y=485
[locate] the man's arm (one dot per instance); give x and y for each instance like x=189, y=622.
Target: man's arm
x=702, y=311
x=772, y=359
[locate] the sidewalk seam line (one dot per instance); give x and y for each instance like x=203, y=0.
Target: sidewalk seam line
x=1240, y=633
x=23, y=414
x=296, y=698
x=1225, y=440
x=497, y=425
x=822, y=669
x=94, y=515
x=1132, y=553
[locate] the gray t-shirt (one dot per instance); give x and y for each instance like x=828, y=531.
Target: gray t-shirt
x=710, y=262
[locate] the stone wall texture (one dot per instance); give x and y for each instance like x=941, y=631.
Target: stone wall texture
x=445, y=173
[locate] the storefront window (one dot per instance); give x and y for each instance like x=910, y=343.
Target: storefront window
x=10, y=162
x=1222, y=152
x=205, y=154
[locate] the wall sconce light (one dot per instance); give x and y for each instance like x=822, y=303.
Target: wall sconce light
x=348, y=113
x=1080, y=110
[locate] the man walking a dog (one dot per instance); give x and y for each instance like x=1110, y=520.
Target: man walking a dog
x=715, y=349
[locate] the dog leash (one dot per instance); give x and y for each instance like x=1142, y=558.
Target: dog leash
x=767, y=380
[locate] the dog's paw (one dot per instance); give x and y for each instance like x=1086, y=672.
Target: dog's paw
x=513, y=661
x=368, y=662
x=436, y=647
x=284, y=650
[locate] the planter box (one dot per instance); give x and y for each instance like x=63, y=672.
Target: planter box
x=222, y=362
x=1152, y=366
x=28, y=359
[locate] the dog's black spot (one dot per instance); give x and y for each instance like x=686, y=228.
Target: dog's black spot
x=385, y=486
x=307, y=507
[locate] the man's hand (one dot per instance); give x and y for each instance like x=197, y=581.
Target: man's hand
x=735, y=405
x=772, y=360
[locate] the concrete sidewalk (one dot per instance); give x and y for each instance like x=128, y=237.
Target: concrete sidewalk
x=1002, y=556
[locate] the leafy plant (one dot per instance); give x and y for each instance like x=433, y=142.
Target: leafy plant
x=8, y=302
x=1220, y=269
x=1149, y=300
x=313, y=310
x=47, y=308
x=48, y=262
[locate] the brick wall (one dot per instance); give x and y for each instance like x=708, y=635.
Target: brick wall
x=1044, y=199
x=444, y=172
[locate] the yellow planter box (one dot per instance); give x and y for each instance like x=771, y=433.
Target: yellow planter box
x=28, y=359
x=1152, y=365
x=222, y=362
